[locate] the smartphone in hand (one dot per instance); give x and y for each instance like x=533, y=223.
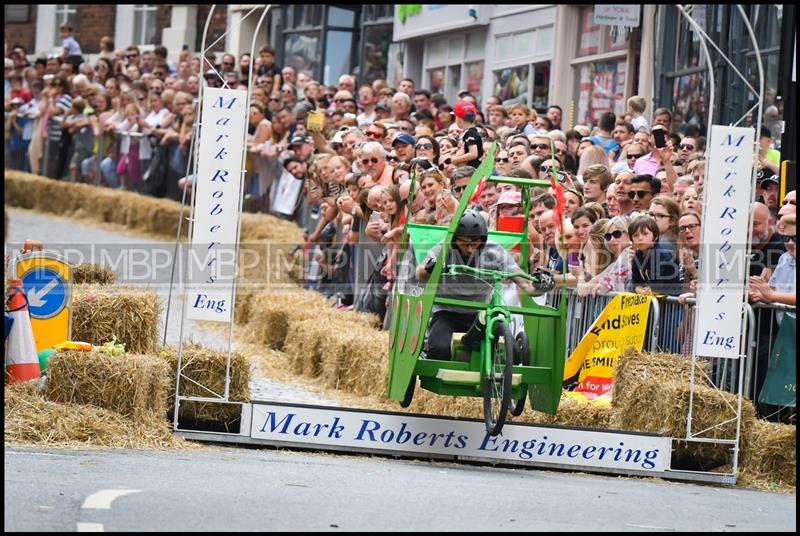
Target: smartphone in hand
x=660, y=138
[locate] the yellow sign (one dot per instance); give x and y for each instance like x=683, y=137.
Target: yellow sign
x=47, y=282
x=621, y=324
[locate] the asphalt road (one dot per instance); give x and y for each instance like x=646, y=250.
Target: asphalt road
x=230, y=489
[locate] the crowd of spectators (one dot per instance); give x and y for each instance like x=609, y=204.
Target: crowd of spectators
x=339, y=160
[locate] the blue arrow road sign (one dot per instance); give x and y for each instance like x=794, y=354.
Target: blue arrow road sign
x=46, y=292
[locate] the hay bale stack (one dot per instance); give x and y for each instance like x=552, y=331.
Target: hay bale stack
x=663, y=409
x=651, y=394
x=206, y=367
x=270, y=228
x=138, y=212
x=131, y=385
x=101, y=313
x=572, y=412
x=305, y=341
x=634, y=368
x=769, y=452
x=31, y=419
x=88, y=273
x=272, y=313
x=355, y=360
x=449, y=406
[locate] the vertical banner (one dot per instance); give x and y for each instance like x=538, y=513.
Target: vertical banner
x=724, y=264
x=217, y=190
x=621, y=324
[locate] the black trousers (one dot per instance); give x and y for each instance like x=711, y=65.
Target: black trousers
x=440, y=334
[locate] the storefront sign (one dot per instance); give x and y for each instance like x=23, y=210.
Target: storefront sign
x=212, y=260
x=724, y=266
x=346, y=429
x=617, y=15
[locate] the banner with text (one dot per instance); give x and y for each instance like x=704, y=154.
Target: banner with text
x=725, y=235
x=346, y=429
x=217, y=190
x=622, y=323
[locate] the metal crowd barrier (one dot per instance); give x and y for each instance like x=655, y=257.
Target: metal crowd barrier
x=670, y=329
x=761, y=339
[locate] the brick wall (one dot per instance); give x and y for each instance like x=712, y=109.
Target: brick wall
x=216, y=28
x=93, y=22
x=22, y=33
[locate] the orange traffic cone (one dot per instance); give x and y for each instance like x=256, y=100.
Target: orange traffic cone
x=22, y=361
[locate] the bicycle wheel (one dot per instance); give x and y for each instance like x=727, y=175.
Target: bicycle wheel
x=497, y=387
x=412, y=383
x=522, y=357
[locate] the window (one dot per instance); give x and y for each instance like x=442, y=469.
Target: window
x=527, y=79
x=601, y=88
x=454, y=64
x=337, y=55
x=144, y=24
x=64, y=13
x=600, y=82
x=303, y=51
x=375, y=54
x=17, y=13
x=511, y=85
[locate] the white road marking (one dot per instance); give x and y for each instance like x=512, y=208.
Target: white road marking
x=102, y=499
x=90, y=527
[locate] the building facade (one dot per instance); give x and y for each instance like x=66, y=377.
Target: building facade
x=325, y=40
x=534, y=54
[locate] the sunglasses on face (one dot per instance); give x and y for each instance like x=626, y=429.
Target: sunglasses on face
x=789, y=202
x=640, y=194
x=458, y=189
x=614, y=234
x=687, y=146
x=131, y=56
x=445, y=163
x=503, y=160
x=689, y=227
x=392, y=159
x=273, y=99
x=789, y=238
x=424, y=146
x=548, y=169
x=542, y=146
x=365, y=161
x=635, y=156
x=374, y=135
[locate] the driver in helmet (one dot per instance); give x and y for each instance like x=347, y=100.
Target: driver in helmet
x=470, y=247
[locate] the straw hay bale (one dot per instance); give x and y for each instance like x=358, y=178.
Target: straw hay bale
x=131, y=385
x=571, y=412
x=88, y=273
x=663, y=409
x=31, y=419
x=305, y=341
x=769, y=452
x=634, y=368
x=355, y=360
x=206, y=367
x=138, y=212
x=270, y=315
x=132, y=315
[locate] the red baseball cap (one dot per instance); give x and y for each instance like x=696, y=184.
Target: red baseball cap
x=463, y=107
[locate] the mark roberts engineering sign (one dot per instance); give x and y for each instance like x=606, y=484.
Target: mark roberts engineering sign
x=416, y=434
